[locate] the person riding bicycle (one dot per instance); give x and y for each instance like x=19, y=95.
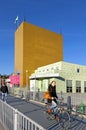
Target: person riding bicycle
x=51, y=98
x=52, y=91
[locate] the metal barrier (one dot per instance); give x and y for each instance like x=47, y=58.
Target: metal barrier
x=76, y=98
x=70, y=99
x=12, y=119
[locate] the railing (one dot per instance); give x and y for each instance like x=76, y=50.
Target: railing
x=12, y=119
x=76, y=98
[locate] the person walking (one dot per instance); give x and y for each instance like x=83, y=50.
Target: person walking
x=52, y=91
x=4, y=90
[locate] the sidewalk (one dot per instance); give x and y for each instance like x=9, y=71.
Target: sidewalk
x=1, y=127
x=35, y=111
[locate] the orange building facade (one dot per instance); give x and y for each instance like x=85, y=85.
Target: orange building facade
x=35, y=47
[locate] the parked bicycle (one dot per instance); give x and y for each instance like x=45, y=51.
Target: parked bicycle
x=62, y=114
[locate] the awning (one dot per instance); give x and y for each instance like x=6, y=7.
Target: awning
x=44, y=75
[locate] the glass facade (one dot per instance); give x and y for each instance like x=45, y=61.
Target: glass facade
x=78, y=86
x=69, y=86
x=84, y=86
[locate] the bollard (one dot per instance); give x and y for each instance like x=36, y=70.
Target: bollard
x=81, y=108
x=69, y=103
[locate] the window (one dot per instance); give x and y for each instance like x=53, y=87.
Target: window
x=78, y=70
x=78, y=86
x=57, y=68
x=85, y=86
x=69, y=86
x=84, y=89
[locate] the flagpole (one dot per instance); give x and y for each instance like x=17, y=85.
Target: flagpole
x=16, y=25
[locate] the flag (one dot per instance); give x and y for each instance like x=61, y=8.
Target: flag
x=16, y=20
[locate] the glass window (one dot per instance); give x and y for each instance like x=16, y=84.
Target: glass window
x=85, y=89
x=85, y=86
x=69, y=86
x=78, y=86
x=78, y=70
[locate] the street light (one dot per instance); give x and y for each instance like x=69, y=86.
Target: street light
x=27, y=79
x=34, y=93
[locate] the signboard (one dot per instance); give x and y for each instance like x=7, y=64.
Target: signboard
x=15, y=79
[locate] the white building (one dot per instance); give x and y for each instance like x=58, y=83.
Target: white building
x=69, y=77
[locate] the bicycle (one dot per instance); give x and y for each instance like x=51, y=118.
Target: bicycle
x=64, y=116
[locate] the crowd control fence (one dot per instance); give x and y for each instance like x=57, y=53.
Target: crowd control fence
x=12, y=119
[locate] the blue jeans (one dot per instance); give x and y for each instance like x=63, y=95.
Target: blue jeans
x=4, y=96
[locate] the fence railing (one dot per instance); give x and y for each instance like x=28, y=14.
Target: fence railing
x=12, y=119
x=76, y=98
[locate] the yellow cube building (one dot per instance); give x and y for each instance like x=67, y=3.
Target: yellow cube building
x=35, y=47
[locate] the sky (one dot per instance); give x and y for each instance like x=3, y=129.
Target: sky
x=61, y=16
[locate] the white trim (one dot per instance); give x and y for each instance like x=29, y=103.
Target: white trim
x=45, y=75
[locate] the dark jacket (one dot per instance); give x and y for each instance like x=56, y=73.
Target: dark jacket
x=52, y=91
x=4, y=89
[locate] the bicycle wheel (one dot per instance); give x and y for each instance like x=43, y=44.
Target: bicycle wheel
x=64, y=119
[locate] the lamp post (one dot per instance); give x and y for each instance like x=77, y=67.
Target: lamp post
x=34, y=91
x=27, y=79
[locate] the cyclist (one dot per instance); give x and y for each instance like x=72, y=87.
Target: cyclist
x=51, y=98
x=52, y=91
